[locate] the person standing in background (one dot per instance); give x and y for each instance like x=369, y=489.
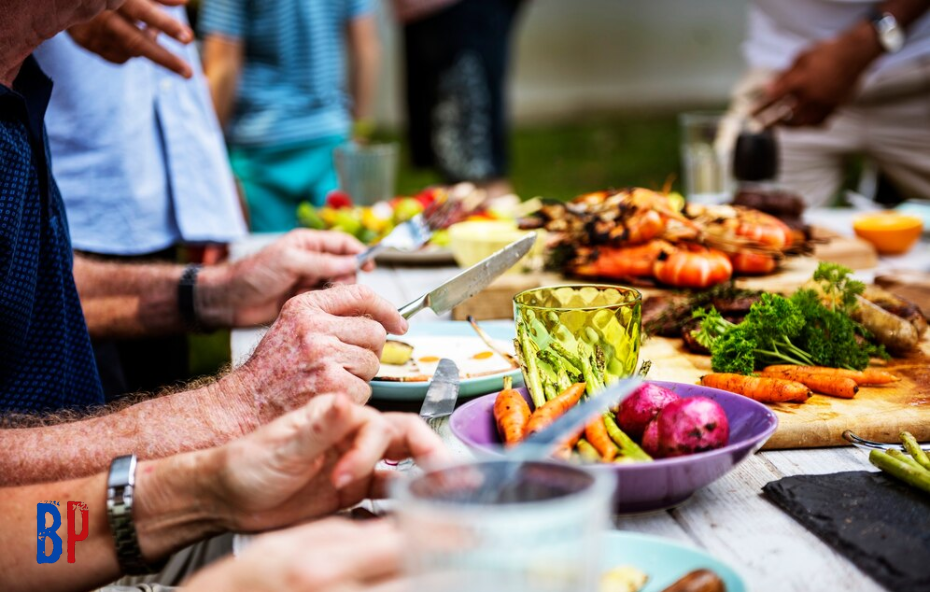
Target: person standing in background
x=139, y=158
x=850, y=77
x=276, y=70
x=456, y=55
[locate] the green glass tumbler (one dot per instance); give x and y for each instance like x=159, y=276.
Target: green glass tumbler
x=587, y=333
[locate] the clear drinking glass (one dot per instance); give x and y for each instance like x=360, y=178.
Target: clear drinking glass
x=542, y=533
x=367, y=172
x=577, y=333
x=706, y=149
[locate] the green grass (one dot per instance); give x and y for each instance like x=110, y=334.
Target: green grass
x=562, y=161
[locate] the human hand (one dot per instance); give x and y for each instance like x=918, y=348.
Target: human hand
x=116, y=36
x=821, y=78
x=346, y=556
x=253, y=290
x=311, y=462
x=327, y=341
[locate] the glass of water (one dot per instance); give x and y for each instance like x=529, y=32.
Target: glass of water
x=706, y=149
x=367, y=172
x=539, y=533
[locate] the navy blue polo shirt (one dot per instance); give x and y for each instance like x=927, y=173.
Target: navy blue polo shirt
x=46, y=361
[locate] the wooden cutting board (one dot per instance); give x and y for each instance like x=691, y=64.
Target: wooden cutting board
x=876, y=413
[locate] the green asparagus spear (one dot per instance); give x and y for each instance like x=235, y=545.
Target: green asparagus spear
x=898, y=455
x=628, y=447
x=533, y=384
x=588, y=453
x=914, y=449
x=918, y=477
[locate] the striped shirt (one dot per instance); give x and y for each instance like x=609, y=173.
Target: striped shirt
x=293, y=88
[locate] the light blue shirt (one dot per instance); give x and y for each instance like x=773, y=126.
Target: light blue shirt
x=137, y=152
x=292, y=88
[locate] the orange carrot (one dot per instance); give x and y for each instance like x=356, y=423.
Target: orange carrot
x=862, y=377
x=760, y=388
x=825, y=384
x=511, y=413
x=554, y=408
x=596, y=434
x=564, y=451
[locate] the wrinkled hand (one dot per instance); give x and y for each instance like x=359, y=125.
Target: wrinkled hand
x=253, y=290
x=312, y=462
x=326, y=341
x=327, y=556
x=115, y=35
x=822, y=78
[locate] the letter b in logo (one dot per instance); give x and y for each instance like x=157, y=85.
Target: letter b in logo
x=44, y=532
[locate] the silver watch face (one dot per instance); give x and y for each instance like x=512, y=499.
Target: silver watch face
x=890, y=34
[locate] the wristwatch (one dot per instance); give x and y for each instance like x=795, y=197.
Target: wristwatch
x=120, y=490
x=890, y=33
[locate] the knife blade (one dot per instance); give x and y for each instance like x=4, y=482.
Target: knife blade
x=443, y=392
x=471, y=281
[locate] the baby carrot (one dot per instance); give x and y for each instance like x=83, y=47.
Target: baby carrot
x=511, y=413
x=760, y=388
x=554, y=408
x=825, y=384
x=596, y=435
x=867, y=376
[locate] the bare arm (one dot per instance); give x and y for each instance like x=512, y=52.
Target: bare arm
x=169, y=513
x=153, y=428
x=222, y=64
x=364, y=60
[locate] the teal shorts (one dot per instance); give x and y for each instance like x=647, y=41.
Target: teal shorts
x=277, y=179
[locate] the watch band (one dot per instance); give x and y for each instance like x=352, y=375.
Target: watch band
x=186, y=305
x=120, y=490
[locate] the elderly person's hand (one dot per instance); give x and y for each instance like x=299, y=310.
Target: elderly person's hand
x=821, y=78
x=252, y=291
x=319, y=557
x=326, y=341
x=116, y=35
x=312, y=462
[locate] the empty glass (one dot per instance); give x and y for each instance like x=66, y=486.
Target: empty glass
x=706, y=146
x=367, y=172
x=542, y=534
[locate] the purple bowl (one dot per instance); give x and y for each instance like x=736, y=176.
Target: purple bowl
x=656, y=485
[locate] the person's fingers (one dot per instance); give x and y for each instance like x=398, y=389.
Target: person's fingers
x=136, y=44
x=304, y=435
x=320, y=266
x=146, y=11
x=414, y=439
x=366, y=450
x=327, y=241
x=357, y=300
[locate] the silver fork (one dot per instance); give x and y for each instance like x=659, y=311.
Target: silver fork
x=414, y=233
x=871, y=444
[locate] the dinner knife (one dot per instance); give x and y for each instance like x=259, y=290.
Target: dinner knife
x=442, y=394
x=471, y=281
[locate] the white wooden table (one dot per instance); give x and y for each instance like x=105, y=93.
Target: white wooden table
x=729, y=518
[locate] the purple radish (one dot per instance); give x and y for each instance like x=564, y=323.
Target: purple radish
x=691, y=425
x=641, y=407
x=651, y=439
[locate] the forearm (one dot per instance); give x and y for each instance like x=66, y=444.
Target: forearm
x=170, y=511
x=131, y=300
x=863, y=37
x=905, y=11
x=155, y=428
x=365, y=58
x=222, y=64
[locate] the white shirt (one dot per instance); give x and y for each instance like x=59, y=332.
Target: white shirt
x=137, y=152
x=781, y=29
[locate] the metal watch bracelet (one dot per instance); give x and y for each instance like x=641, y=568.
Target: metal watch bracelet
x=120, y=491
